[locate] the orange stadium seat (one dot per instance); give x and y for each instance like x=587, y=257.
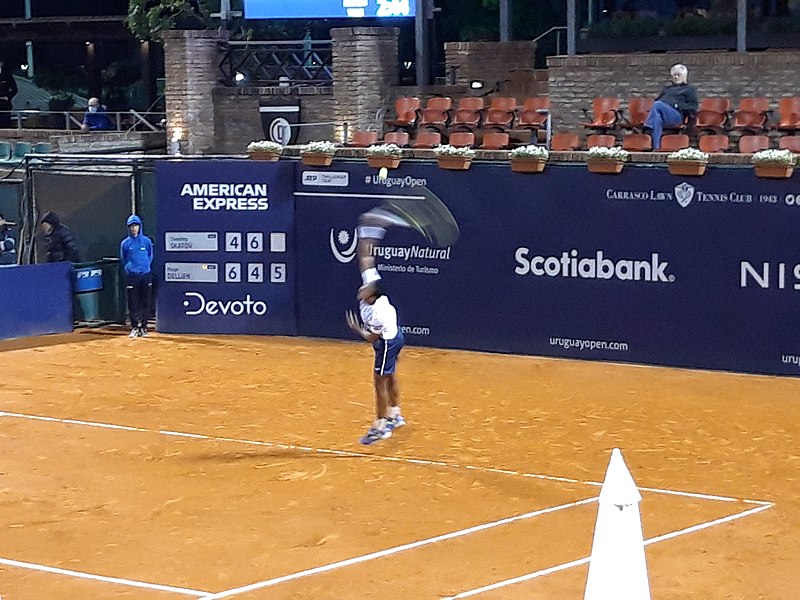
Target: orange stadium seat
x=752, y=115
x=712, y=114
x=500, y=114
x=790, y=142
x=495, y=140
x=638, y=109
x=436, y=113
x=462, y=138
x=637, y=142
x=674, y=142
x=468, y=114
x=400, y=138
x=427, y=139
x=534, y=112
x=406, y=110
x=601, y=140
x=361, y=139
x=713, y=143
x=788, y=114
x=604, y=115
x=749, y=144
x=565, y=141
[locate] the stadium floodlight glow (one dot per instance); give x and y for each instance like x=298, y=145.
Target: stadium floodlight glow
x=239, y=77
x=328, y=9
x=476, y=84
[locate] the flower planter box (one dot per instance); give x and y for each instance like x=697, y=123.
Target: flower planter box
x=692, y=168
x=773, y=171
x=377, y=162
x=604, y=165
x=454, y=163
x=528, y=165
x=261, y=155
x=317, y=160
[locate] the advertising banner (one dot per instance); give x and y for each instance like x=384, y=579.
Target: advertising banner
x=638, y=267
x=225, y=252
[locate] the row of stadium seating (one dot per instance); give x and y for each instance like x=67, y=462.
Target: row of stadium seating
x=714, y=114
x=13, y=152
x=710, y=143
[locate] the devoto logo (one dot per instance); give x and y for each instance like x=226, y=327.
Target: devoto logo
x=344, y=250
x=196, y=304
x=684, y=194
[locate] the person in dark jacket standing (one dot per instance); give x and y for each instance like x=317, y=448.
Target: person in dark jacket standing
x=61, y=244
x=674, y=104
x=8, y=89
x=136, y=255
x=8, y=250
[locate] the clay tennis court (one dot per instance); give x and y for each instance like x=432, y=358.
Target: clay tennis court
x=229, y=467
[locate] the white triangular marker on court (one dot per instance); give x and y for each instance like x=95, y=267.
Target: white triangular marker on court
x=618, y=570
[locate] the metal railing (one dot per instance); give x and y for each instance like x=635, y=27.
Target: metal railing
x=293, y=62
x=557, y=30
x=121, y=121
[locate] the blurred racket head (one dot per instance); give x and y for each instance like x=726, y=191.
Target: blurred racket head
x=425, y=212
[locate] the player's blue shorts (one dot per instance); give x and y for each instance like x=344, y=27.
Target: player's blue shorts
x=387, y=353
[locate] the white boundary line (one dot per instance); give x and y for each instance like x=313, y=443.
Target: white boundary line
x=761, y=505
x=377, y=457
x=586, y=559
x=390, y=551
x=103, y=578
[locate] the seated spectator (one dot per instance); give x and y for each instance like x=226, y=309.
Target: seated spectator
x=8, y=251
x=673, y=105
x=60, y=242
x=96, y=118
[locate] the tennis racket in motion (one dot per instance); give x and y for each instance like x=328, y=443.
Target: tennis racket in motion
x=425, y=213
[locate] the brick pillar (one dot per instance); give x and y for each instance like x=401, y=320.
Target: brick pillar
x=190, y=65
x=364, y=69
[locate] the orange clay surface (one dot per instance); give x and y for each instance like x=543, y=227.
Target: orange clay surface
x=235, y=472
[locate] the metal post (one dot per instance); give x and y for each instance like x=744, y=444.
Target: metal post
x=741, y=26
x=421, y=42
x=571, y=27
x=29, y=43
x=505, y=20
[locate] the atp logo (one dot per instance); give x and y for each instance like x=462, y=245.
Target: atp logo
x=343, y=245
x=684, y=194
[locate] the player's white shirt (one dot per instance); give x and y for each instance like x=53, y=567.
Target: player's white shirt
x=380, y=317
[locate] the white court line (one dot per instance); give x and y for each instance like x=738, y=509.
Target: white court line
x=103, y=578
x=377, y=457
x=390, y=551
x=586, y=559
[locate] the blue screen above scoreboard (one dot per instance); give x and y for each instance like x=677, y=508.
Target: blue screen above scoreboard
x=323, y=9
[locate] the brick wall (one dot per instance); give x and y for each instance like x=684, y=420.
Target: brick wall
x=237, y=120
x=490, y=62
x=574, y=81
x=190, y=65
x=365, y=67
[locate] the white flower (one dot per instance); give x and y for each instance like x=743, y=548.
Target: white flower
x=448, y=150
x=318, y=148
x=616, y=153
x=688, y=154
x=775, y=157
x=265, y=146
x=531, y=151
x=385, y=150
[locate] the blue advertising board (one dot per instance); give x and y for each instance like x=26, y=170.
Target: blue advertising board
x=639, y=267
x=324, y=9
x=226, y=247
x=38, y=301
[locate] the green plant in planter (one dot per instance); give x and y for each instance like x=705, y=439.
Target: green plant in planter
x=385, y=150
x=148, y=19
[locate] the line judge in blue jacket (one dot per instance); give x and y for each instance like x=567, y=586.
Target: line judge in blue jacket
x=136, y=254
